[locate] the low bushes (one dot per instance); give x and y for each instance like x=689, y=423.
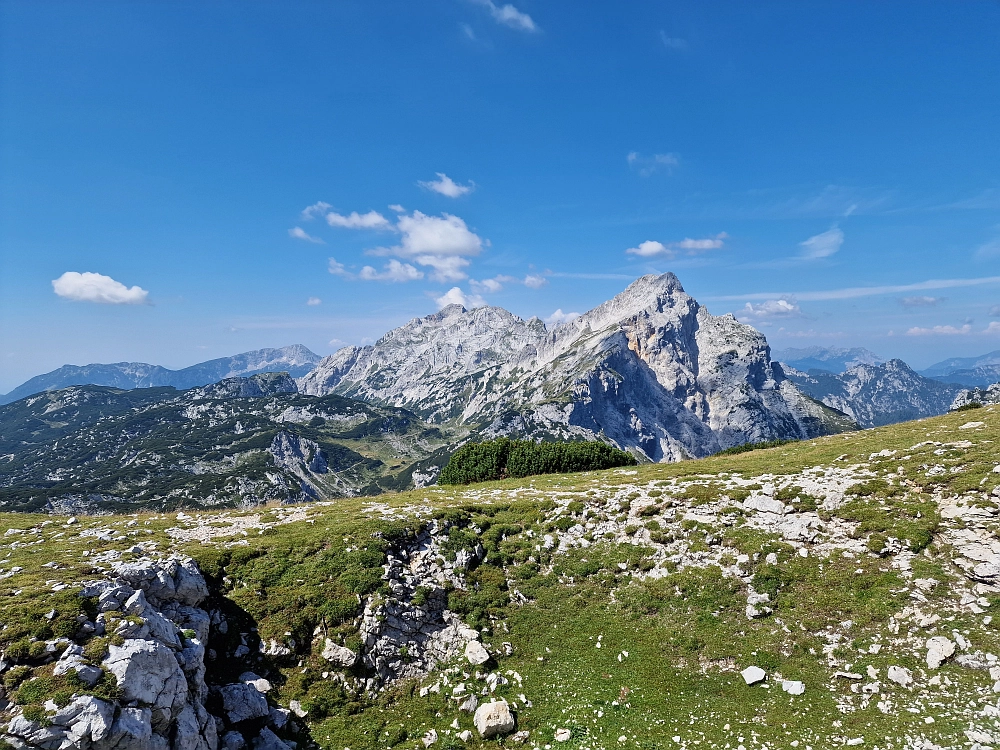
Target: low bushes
x=503, y=458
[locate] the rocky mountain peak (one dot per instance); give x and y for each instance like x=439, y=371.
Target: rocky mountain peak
x=649, y=369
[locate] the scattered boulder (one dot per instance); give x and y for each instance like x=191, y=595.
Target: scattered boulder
x=338, y=655
x=900, y=675
x=939, y=650
x=563, y=735
x=753, y=675
x=793, y=687
x=476, y=653
x=493, y=719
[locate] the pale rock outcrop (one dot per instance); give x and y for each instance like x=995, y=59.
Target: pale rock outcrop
x=939, y=650
x=650, y=370
x=339, y=656
x=493, y=719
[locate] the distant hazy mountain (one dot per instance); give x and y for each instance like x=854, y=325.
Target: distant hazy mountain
x=833, y=360
x=296, y=360
x=876, y=395
x=978, y=371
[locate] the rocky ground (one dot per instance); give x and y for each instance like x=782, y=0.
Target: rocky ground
x=832, y=593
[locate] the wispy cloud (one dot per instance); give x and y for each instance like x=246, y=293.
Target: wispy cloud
x=508, y=15
x=316, y=209
x=773, y=308
x=822, y=245
x=497, y=283
x=862, y=291
x=338, y=269
x=988, y=250
x=559, y=317
x=354, y=220
x=672, y=42
x=648, y=165
x=314, y=301
x=391, y=271
x=455, y=296
x=95, y=287
x=301, y=234
x=940, y=331
x=444, y=185
x=689, y=246
x=921, y=301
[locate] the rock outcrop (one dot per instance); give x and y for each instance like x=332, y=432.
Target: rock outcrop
x=650, y=370
x=151, y=614
x=981, y=396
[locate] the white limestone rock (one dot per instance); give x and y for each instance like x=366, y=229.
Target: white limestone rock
x=753, y=675
x=793, y=687
x=939, y=650
x=900, y=675
x=493, y=719
x=338, y=655
x=476, y=653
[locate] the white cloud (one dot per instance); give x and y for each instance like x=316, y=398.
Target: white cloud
x=773, y=308
x=993, y=327
x=301, y=234
x=492, y=286
x=940, y=331
x=337, y=343
x=672, y=42
x=822, y=245
x=853, y=292
x=455, y=296
x=496, y=284
x=699, y=246
x=313, y=301
x=559, y=317
x=647, y=165
x=510, y=16
x=446, y=267
x=316, y=209
x=447, y=186
x=469, y=33
x=397, y=208
x=535, y=281
x=354, y=220
x=392, y=271
x=95, y=287
x=337, y=269
x=920, y=301
x=651, y=248
x=435, y=235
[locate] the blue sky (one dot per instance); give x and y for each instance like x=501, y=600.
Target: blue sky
x=827, y=171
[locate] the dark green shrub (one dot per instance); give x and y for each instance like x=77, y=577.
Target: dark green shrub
x=752, y=447
x=969, y=406
x=503, y=458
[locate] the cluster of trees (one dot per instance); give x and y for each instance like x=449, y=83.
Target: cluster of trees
x=504, y=458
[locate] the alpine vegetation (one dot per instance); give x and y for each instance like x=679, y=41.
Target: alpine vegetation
x=503, y=458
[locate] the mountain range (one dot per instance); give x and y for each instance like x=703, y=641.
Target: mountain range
x=651, y=370
x=980, y=371
x=296, y=360
x=878, y=394
x=238, y=442
x=832, y=359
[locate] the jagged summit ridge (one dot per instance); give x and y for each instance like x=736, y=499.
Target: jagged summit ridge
x=650, y=370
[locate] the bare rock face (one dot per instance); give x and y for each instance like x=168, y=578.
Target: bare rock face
x=650, y=370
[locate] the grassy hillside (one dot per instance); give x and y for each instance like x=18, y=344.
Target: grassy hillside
x=629, y=600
